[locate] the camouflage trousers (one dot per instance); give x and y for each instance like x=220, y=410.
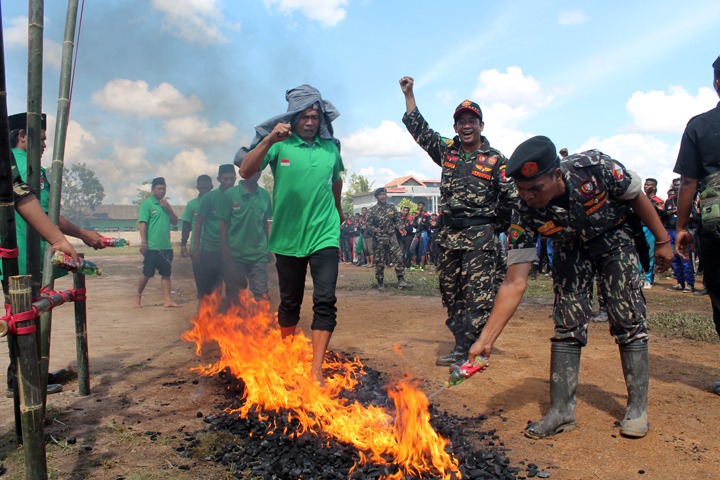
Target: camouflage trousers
x=469, y=280
x=614, y=261
x=383, y=248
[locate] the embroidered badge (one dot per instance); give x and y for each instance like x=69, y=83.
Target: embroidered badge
x=617, y=171
x=285, y=162
x=587, y=188
x=549, y=228
x=516, y=232
x=502, y=173
x=529, y=169
x=491, y=160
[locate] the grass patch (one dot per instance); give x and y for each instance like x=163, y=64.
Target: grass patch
x=684, y=325
x=424, y=283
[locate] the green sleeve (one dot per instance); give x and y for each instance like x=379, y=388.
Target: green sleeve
x=144, y=212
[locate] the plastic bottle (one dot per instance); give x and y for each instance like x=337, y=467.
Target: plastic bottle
x=66, y=262
x=115, y=242
x=466, y=370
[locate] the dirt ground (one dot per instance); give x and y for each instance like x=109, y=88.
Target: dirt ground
x=144, y=400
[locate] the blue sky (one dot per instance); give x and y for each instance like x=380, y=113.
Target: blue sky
x=175, y=87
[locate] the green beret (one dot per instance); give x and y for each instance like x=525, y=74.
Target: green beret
x=533, y=158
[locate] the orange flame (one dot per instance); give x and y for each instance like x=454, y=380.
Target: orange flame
x=277, y=376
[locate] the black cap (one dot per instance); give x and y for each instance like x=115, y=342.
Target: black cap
x=716, y=63
x=378, y=191
x=226, y=168
x=19, y=121
x=534, y=157
x=468, y=106
x=158, y=181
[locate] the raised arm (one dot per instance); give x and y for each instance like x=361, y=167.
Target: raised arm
x=406, y=85
x=254, y=158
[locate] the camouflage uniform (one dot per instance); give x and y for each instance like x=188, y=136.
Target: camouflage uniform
x=590, y=234
x=476, y=203
x=383, y=219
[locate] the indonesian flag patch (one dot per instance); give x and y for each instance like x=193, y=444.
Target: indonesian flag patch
x=285, y=162
x=617, y=171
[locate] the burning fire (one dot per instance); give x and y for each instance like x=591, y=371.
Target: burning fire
x=276, y=373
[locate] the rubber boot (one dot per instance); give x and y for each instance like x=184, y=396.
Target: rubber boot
x=459, y=351
x=287, y=331
x=634, y=357
x=564, y=370
x=402, y=283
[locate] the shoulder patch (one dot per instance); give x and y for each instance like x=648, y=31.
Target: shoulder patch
x=448, y=141
x=515, y=232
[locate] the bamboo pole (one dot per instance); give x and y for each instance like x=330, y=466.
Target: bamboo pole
x=61, y=124
x=81, y=338
x=8, y=238
x=34, y=124
x=29, y=383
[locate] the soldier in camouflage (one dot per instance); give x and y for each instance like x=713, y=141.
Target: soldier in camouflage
x=383, y=220
x=583, y=204
x=476, y=203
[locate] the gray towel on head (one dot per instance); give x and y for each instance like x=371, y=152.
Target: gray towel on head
x=299, y=99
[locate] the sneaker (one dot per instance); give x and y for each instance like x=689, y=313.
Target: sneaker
x=699, y=293
x=51, y=388
x=689, y=289
x=601, y=316
x=677, y=287
x=647, y=286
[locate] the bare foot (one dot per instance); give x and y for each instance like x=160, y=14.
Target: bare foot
x=136, y=302
x=317, y=376
x=171, y=305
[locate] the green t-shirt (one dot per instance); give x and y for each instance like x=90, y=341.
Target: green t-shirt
x=190, y=215
x=305, y=218
x=158, y=224
x=20, y=225
x=214, y=208
x=250, y=212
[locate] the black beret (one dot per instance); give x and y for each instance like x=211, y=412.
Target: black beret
x=378, y=191
x=19, y=121
x=534, y=157
x=227, y=168
x=468, y=106
x=716, y=63
x=158, y=181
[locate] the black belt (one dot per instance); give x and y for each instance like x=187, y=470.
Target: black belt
x=466, y=222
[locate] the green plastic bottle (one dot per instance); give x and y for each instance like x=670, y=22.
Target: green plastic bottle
x=64, y=261
x=466, y=370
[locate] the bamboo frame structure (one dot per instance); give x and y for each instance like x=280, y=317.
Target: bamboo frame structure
x=81, y=338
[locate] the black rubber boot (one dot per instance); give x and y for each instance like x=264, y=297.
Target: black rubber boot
x=402, y=283
x=564, y=370
x=459, y=352
x=634, y=357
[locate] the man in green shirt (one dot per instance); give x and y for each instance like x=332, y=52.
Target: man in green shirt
x=210, y=234
x=18, y=142
x=154, y=219
x=248, y=239
x=307, y=215
x=203, y=185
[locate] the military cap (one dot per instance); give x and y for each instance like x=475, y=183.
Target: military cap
x=158, y=181
x=534, y=157
x=378, y=191
x=19, y=121
x=227, y=168
x=716, y=63
x=468, y=106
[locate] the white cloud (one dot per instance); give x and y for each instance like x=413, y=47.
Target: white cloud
x=181, y=174
x=195, y=131
x=196, y=21
x=509, y=98
x=668, y=112
x=136, y=98
x=389, y=140
x=645, y=154
x=16, y=36
x=328, y=12
x=572, y=17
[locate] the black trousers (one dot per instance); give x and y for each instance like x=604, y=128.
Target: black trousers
x=710, y=256
x=291, y=279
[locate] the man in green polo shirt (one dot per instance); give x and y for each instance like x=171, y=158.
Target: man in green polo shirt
x=210, y=234
x=154, y=219
x=248, y=239
x=307, y=214
x=17, y=125
x=203, y=185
